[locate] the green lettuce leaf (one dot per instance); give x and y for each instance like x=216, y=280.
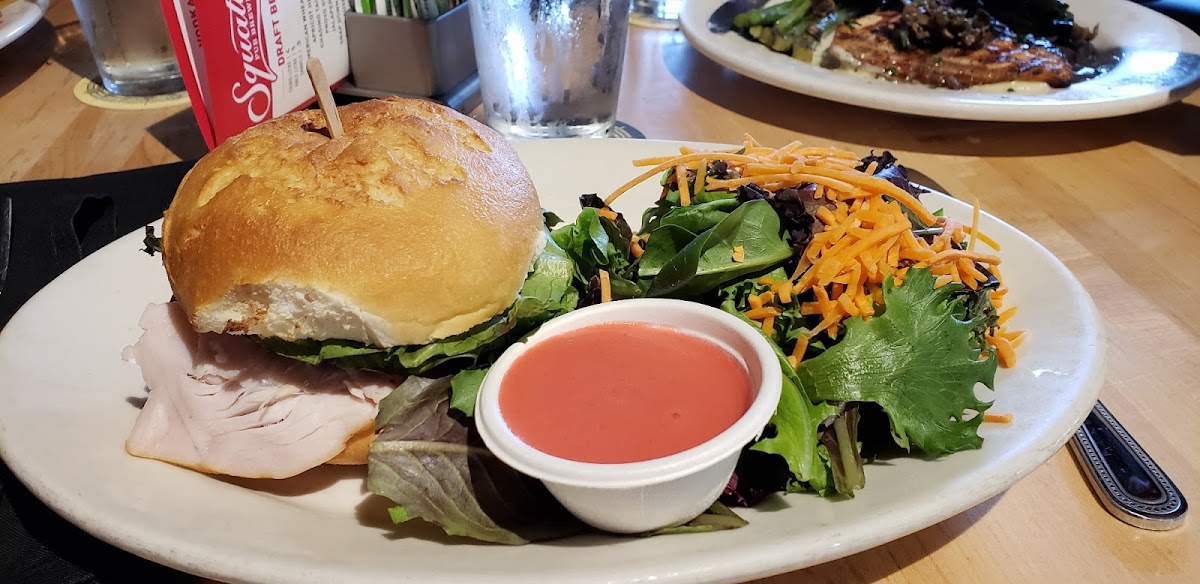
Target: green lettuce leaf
x=792, y=430
x=699, y=217
x=669, y=199
x=716, y=518
x=596, y=243
x=344, y=353
x=464, y=388
x=550, y=218
x=795, y=425
x=678, y=227
x=665, y=243
x=840, y=450
x=426, y=462
x=789, y=325
x=586, y=241
x=916, y=361
x=706, y=261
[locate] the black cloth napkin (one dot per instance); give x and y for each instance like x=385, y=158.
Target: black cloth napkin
x=56, y=223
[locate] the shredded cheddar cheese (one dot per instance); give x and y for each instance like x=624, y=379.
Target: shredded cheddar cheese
x=798, y=350
x=974, y=224
x=984, y=238
x=671, y=163
x=607, y=214
x=605, y=287
x=866, y=237
x=785, y=291
x=685, y=196
x=761, y=313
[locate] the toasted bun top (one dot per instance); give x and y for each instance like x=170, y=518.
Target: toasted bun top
x=416, y=225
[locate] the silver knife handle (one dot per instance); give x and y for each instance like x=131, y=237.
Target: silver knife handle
x=1127, y=481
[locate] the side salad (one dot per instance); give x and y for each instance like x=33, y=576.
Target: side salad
x=884, y=315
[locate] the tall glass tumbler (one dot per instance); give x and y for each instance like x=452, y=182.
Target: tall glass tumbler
x=656, y=13
x=131, y=46
x=550, y=68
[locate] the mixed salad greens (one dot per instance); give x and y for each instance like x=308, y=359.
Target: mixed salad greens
x=895, y=370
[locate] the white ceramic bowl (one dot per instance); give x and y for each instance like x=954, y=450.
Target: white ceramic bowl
x=641, y=496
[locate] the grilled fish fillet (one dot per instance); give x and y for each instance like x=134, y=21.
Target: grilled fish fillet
x=866, y=45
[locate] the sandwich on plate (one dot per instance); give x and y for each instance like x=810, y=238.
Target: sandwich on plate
x=310, y=275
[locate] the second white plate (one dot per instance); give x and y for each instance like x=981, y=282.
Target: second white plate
x=17, y=17
x=1161, y=65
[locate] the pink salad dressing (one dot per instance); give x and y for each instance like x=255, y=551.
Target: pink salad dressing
x=623, y=392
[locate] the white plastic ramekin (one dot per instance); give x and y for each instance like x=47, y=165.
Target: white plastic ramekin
x=641, y=496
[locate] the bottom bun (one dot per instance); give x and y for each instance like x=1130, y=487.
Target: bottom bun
x=357, y=447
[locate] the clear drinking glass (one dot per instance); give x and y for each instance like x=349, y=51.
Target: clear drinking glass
x=131, y=46
x=550, y=68
x=656, y=13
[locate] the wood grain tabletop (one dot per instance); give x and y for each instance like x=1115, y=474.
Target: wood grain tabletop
x=1117, y=200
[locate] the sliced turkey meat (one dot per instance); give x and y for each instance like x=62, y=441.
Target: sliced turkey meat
x=223, y=404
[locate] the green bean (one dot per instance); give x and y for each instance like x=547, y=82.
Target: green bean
x=793, y=17
x=766, y=15
x=829, y=20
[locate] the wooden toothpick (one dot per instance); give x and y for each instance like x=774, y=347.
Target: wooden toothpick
x=316, y=74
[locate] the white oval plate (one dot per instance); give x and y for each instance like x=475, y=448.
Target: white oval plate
x=66, y=408
x=1161, y=66
x=16, y=18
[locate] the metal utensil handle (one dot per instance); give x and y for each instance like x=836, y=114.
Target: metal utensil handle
x=1125, y=478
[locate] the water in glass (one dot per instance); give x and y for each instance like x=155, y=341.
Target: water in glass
x=131, y=46
x=656, y=13
x=550, y=68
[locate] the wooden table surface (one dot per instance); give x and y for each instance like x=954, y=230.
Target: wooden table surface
x=1117, y=200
